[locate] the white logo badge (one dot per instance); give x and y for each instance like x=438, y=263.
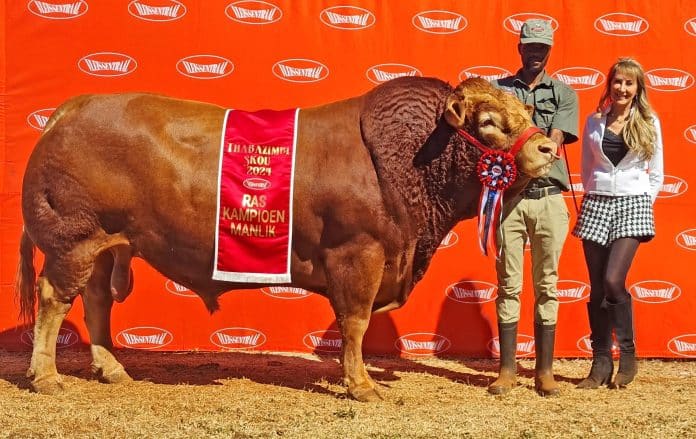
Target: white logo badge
x=157, y=10
x=323, y=341
x=253, y=12
x=569, y=291
x=654, y=291
x=513, y=23
x=205, y=66
x=690, y=26
x=683, y=345
x=178, y=289
x=256, y=184
x=237, y=339
x=385, y=72
x=347, y=17
x=144, y=337
x=290, y=293
x=489, y=73
x=580, y=78
x=300, y=70
x=525, y=346
x=471, y=292
x=422, y=344
x=687, y=239
x=668, y=79
x=439, y=22
x=66, y=338
x=58, y=10
x=690, y=134
x=450, y=240
x=620, y=24
x=38, y=118
x=107, y=64
x=672, y=186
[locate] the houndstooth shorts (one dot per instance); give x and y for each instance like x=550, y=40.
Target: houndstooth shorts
x=604, y=219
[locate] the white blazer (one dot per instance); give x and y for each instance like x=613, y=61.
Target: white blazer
x=632, y=176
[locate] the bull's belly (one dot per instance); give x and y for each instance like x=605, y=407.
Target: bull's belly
x=192, y=267
x=195, y=273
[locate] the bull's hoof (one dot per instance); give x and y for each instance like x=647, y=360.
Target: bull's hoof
x=48, y=385
x=365, y=394
x=503, y=385
x=117, y=376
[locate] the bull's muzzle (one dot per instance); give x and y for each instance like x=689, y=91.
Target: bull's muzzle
x=550, y=148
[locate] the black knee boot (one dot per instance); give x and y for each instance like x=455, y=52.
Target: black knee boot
x=507, y=377
x=621, y=316
x=602, y=363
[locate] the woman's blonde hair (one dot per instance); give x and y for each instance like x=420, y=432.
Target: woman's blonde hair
x=639, y=132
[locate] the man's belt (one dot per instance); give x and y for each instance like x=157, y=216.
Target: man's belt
x=536, y=193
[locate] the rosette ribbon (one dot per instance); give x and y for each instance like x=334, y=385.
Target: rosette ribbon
x=497, y=171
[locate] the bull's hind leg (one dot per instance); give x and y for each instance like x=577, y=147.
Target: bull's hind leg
x=52, y=309
x=63, y=277
x=98, y=300
x=355, y=276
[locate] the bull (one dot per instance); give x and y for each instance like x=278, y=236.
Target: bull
x=380, y=180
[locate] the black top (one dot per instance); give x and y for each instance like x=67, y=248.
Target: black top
x=613, y=146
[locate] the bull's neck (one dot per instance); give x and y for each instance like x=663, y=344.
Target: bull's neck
x=452, y=193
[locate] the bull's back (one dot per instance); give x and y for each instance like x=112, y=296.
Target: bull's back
x=138, y=164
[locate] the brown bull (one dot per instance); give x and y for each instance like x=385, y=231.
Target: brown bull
x=380, y=179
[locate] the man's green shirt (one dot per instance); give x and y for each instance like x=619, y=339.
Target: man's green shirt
x=555, y=106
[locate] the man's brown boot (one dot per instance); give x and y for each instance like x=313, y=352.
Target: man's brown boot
x=544, y=338
x=507, y=376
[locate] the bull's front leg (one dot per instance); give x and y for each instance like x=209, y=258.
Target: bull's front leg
x=360, y=384
x=354, y=275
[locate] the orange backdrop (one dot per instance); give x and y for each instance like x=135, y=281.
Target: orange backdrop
x=276, y=54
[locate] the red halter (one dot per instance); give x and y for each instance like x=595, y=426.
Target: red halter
x=526, y=134
x=496, y=168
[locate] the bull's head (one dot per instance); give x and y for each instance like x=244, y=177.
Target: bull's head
x=497, y=120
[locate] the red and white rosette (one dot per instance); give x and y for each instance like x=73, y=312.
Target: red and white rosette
x=497, y=171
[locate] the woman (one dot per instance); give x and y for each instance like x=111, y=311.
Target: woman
x=621, y=174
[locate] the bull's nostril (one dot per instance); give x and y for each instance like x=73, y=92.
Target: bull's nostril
x=549, y=149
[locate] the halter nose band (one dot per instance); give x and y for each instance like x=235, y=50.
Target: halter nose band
x=526, y=134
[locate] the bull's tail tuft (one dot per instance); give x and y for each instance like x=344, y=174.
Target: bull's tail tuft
x=25, y=284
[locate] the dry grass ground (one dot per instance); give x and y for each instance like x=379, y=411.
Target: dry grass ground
x=245, y=395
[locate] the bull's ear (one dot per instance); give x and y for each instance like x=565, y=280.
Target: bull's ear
x=530, y=109
x=455, y=111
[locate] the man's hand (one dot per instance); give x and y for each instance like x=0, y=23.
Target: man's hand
x=557, y=136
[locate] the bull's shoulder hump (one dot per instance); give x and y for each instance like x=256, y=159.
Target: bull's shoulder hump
x=410, y=82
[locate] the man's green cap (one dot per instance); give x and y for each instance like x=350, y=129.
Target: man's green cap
x=535, y=30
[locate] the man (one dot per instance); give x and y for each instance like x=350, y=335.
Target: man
x=538, y=214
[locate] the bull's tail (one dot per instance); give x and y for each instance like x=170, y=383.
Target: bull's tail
x=25, y=284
